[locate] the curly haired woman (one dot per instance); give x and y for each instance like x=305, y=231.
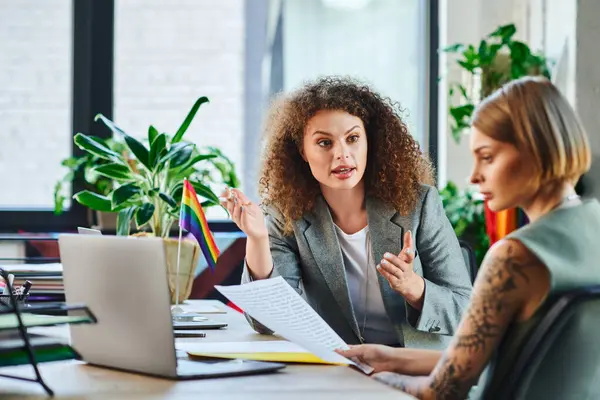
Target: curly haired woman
x=350, y=220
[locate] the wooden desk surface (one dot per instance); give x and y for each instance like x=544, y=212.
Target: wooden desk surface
x=76, y=380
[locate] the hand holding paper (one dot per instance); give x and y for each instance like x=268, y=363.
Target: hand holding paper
x=273, y=303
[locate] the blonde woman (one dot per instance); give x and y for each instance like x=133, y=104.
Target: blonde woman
x=529, y=149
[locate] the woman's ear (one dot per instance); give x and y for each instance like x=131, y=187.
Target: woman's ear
x=301, y=150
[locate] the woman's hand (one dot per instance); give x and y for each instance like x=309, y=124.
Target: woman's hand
x=379, y=357
x=246, y=215
x=390, y=359
x=398, y=271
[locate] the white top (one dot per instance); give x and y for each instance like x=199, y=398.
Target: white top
x=363, y=286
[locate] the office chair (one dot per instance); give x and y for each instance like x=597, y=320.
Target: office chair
x=561, y=358
x=470, y=259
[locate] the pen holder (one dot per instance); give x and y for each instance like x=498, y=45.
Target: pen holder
x=6, y=302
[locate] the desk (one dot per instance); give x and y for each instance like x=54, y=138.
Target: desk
x=76, y=380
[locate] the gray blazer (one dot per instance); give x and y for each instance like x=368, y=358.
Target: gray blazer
x=311, y=261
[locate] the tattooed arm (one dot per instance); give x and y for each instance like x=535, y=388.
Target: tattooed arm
x=511, y=285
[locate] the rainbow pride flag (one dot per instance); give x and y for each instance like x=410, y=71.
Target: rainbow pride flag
x=193, y=220
x=499, y=224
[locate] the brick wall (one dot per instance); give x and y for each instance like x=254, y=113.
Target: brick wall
x=35, y=99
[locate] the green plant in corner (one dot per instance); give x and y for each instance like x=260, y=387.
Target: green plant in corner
x=85, y=165
x=147, y=181
x=496, y=60
x=467, y=217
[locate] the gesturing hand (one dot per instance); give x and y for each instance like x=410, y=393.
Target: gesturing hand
x=398, y=271
x=247, y=215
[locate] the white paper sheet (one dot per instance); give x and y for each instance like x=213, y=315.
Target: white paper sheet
x=274, y=303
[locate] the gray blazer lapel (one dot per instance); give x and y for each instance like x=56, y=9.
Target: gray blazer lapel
x=325, y=248
x=386, y=236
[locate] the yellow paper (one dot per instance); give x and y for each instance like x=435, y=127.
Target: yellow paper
x=275, y=351
x=306, y=358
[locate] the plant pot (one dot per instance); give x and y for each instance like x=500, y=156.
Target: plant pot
x=188, y=260
x=106, y=220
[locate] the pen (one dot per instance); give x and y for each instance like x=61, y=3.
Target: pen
x=25, y=288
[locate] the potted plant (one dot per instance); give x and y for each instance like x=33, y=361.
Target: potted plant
x=217, y=169
x=496, y=60
x=146, y=185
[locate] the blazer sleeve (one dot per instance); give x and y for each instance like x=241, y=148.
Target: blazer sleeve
x=448, y=285
x=284, y=251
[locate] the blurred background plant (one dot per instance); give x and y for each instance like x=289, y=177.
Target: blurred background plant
x=496, y=60
x=466, y=214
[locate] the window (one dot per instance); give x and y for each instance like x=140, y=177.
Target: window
x=376, y=41
x=143, y=62
x=35, y=100
x=168, y=53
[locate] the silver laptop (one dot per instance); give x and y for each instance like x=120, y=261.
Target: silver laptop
x=88, y=231
x=124, y=283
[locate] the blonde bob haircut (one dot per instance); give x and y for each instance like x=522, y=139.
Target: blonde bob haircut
x=536, y=118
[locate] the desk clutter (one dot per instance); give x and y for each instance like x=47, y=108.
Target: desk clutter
x=17, y=346
x=46, y=280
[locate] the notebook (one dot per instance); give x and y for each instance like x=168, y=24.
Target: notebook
x=276, y=351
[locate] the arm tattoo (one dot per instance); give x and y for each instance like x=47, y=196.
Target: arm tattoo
x=408, y=384
x=454, y=376
x=450, y=383
x=500, y=278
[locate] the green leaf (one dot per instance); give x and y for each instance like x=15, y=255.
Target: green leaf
x=124, y=220
x=519, y=52
x=454, y=48
x=462, y=111
x=195, y=160
x=173, y=151
x=469, y=66
x=188, y=120
x=483, y=52
x=209, y=203
x=168, y=199
x=124, y=193
x=73, y=163
x=152, y=134
x=59, y=198
x=233, y=179
x=114, y=171
x=93, y=146
x=504, y=32
x=93, y=200
x=204, y=191
x=137, y=148
x=157, y=148
x=144, y=213
x=181, y=157
x=493, y=50
x=177, y=192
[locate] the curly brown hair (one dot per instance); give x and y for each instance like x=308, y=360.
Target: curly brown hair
x=395, y=169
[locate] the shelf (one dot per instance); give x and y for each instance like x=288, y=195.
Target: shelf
x=34, y=315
